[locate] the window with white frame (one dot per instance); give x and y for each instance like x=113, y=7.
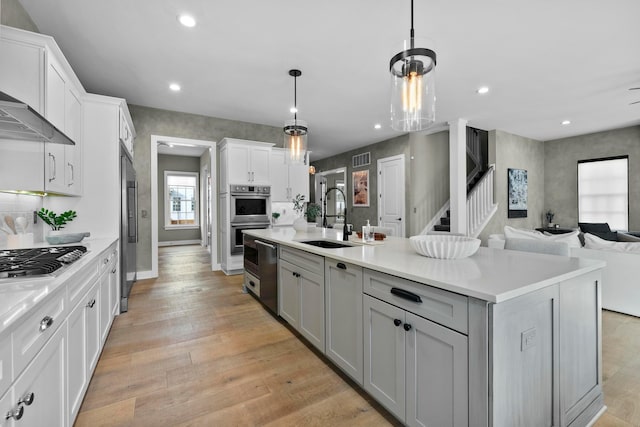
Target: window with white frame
x=181, y=199
x=603, y=191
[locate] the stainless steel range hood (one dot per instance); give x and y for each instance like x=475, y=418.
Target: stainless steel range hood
x=18, y=121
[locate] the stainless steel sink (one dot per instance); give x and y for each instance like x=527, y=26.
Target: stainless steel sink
x=327, y=244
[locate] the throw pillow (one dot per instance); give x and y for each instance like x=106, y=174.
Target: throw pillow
x=594, y=227
x=518, y=233
x=625, y=237
x=572, y=239
x=594, y=242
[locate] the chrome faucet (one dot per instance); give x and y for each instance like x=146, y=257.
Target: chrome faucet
x=345, y=229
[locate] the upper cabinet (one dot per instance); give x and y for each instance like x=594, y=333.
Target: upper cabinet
x=287, y=180
x=126, y=131
x=35, y=71
x=243, y=162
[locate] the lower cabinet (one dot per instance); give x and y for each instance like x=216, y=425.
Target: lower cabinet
x=83, y=346
x=343, y=318
x=301, y=290
x=417, y=369
x=39, y=395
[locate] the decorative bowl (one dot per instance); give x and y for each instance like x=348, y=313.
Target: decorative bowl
x=444, y=247
x=61, y=239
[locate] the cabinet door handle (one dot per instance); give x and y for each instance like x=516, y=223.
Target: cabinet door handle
x=91, y=303
x=16, y=414
x=46, y=323
x=406, y=295
x=252, y=284
x=72, y=177
x=407, y=327
x=296, y=274
x=27, y=399
x=341, y=266
x=397, y=322
x=52, y=163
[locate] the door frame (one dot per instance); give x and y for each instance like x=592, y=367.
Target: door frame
x=155, y=140
x=402, y=191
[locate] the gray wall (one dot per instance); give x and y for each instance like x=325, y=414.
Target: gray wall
x=13, y=14
x=561, y=170
x=509, y=151
x=150, y=121
x=174, y=163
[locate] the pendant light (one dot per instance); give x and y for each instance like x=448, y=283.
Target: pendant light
x=412, y=86
x=295, y=131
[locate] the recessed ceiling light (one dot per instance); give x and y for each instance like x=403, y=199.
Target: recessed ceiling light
x=377, y=126
x=187, y=20
x=482, y=90
x=174, y=87
x=566, y=122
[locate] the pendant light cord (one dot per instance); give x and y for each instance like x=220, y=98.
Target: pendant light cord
x=295, y=99
x=412, y=33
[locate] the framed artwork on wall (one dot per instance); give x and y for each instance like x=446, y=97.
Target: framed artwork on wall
x=360, y=182
x=517, y=193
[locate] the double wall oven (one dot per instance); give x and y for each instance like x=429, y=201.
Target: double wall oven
x=250, y=206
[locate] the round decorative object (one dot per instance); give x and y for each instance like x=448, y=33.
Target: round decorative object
x=444, y=247
x=61, y=239
x=300, y=224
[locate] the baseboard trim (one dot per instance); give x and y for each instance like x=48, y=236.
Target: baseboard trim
x=179, y=242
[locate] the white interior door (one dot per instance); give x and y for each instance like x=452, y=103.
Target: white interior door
x=391, y=194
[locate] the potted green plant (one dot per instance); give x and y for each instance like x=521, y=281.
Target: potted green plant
x=300, y=224
x=55, y=221
x=313, y=210
x=275, y=216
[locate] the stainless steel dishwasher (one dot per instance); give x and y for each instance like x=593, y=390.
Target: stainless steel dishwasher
x=261, y=272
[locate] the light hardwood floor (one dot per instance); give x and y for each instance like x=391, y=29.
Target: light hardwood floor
x=194, y=351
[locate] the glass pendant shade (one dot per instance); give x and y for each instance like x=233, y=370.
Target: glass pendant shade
x=295, y=141
x=413, y=97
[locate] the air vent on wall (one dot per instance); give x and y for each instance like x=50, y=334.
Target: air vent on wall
x=361, y=160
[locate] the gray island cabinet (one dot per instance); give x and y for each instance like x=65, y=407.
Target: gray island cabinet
x=502, y=338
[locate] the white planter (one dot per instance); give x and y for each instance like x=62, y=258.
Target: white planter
x=300, y=224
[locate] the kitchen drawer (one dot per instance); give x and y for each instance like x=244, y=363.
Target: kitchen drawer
x=252, y=283
x=446, y=308
x=310, y=262
x=105, y=259
x=5, y=363
x=36, y=329
x=81, y=281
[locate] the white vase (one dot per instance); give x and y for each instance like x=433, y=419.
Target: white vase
x=300, y=224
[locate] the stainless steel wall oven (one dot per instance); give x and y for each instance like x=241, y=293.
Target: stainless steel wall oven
x=250, y=204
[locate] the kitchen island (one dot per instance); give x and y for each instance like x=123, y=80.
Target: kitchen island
x=502, y=338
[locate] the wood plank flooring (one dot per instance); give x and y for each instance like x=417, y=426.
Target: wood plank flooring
x=194, y=351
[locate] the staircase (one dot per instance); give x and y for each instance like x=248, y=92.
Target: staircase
x=480, y=204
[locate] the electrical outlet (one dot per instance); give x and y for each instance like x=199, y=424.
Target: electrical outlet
x=527, y=339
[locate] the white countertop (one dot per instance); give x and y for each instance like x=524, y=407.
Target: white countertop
x=19, y=296
x=490, y=274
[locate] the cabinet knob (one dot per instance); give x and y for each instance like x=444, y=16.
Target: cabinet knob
x=91, y=303
x=16, y=414
x=407, y=327
x=46, y=323
x=27, y=399
x=397, y=322
x=341, y=266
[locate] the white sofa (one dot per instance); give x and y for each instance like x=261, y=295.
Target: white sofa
x=620, y=278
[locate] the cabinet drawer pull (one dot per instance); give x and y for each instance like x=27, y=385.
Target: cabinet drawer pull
x=27, y=399
x=16, y=414
x=252, y=284
x=397, y=322
x=406, y=295
x=407, y=327
x=91, y=303
x=295, y=274
x=46, y=323
x=341, y=266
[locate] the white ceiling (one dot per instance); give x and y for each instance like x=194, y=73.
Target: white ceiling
x=545, y=61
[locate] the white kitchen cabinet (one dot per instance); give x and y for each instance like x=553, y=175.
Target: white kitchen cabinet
x=301, y=293
x=114, y=289
x=343, y=317
x=83, y=348
x=287, y=180
x=6, y=409
x=417, y=369
x=126, y=131
x=41, y=389
x=106, y=282
x=243, y=162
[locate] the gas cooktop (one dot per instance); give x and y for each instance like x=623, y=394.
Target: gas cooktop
x=37, y=261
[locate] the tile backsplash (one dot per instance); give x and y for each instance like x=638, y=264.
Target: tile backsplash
x=18, y=205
